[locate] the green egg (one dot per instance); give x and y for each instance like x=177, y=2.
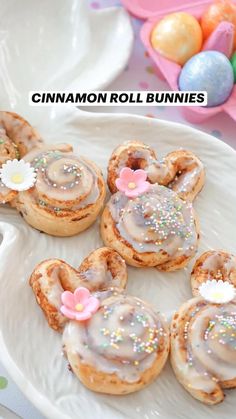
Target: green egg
x=233, y=62
x=3, y=383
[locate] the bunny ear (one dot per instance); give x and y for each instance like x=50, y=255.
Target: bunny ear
x=182, y=171
x=188, y=174
x=20, y=133
x=17, y=137
x=131, y=154
x=102, y=269
x=49, y=280
x=213, y=264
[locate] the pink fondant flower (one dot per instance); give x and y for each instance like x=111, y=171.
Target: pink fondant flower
x=79, y=305
x=132, y=182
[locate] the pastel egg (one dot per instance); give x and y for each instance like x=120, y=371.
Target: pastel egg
x=219, y=11
x=209, y=71
x=177, y=36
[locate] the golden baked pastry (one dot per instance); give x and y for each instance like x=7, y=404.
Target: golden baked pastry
x=181, y=170
x=17, y=137
x=156, y=228
x=121, y=349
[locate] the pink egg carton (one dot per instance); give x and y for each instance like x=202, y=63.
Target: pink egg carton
x=152, y=11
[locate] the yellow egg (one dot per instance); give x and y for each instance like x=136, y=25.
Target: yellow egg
x=177, y=37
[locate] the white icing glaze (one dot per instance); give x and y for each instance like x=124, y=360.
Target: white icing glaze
x=122, y=337
x=157, y=220
x=210, y=344
x=157, y=171
x=51, y=287
x=100, y=277
x=186, y=181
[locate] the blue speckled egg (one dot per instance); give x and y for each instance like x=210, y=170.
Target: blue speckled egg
x=208, y=71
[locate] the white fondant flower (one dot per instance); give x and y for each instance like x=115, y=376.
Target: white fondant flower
x=218, y=292
x=17, y=175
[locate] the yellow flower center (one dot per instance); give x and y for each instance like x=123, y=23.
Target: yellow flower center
x=79, y=307
x=131, y=185
x=216, y=295
x=17, y=178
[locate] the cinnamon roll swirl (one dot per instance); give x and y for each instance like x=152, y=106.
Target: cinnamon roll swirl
x=121, y=349
x=203, y=348
x=68, y=194
x=213, y=264
x=155, y=229
x=181, y=170
x=17, y=137
x=103, y=269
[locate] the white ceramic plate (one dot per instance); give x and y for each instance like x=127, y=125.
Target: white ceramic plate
x=59, y=45
x=31, y=351
x=7, y=413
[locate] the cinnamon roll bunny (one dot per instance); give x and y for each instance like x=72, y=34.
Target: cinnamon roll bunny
x=68, y=194
x=180, y=170
x=149, y=223
x=203, y=330
x=115, y=343
x=17, y=137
